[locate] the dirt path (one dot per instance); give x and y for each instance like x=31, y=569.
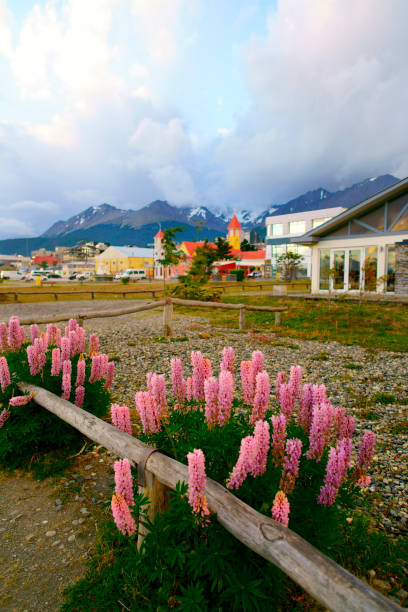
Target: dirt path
x=47, y=530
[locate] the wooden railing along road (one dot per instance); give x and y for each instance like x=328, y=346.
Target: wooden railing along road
x=321, y=577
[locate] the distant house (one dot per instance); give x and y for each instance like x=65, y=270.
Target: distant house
x=364, y=248
x=49, y=260
x=284, y=225
x=117, y=259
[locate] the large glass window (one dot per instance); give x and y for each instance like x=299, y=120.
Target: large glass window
x=370, y=269
x=354, y=269
x=391, y=268
x=338, y=265
x=297, y=227
x=324, y=257
x=277, y=229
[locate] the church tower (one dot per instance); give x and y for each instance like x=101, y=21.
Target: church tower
x=234, y=233
x=158, y=254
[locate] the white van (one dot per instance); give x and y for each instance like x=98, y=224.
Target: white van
x=134, y=274
x=14, y=275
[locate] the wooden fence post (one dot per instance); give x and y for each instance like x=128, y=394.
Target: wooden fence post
x=277, y=318
x=167, y=319
x=157, y=493
x=242, y=318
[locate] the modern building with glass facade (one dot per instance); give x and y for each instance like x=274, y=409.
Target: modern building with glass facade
x=364, y=248
x=282, y=227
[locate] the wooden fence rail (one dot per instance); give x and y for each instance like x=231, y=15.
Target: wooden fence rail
x=326, y=581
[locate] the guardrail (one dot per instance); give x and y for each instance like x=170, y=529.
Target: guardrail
x=321, y=577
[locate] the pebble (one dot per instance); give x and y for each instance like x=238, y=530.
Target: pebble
x=84, y=511
x=50, y=534
x=71, y=538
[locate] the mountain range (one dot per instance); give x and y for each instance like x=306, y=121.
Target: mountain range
x=106, y=223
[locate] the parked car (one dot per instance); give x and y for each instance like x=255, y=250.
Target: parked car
x=255, y=274
x=14, y=275
x=118, y=276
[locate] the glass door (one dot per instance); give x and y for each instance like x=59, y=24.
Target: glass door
x=354, y=270
x=338, y=269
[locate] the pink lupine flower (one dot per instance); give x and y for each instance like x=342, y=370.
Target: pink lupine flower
x=320, y=430
x=228, y=358
x=290, y=465
x=207, y=369
x=58, y=337
x=258, y=360
x=15, y=334
x=55, y=362
x=177, y=380
x=79, y=396
x=80, y=377
x=93, y=344
x=120, y=416
x=260, y=447
x=189, y=389
x=362, y=482
x=98, y=368
x=278, y=437
x=21, y=400
x=336, y=472
x=281, y=508
x=73, y=342
x=295, y=379
x=196, y=482
x=198, y=375
x=280, y=380
x=365, y=452
x=66, y=379
x=73, y=325
x=103, y=364
x=149, y=382
x=5, y=380
x=343, y=424
x=159, y=395
x=4, y=415
x=149, y=414
x=211, y=389
x=225, y=396
x=248, y=382
x=287, y=399
x=262, y=391
x=36, y=356
x=110, y=372
x=34, y=332
x=4, y=345
x=51, y=334
x=244, y=465
x=124, y=481
x=81, y=337
x=305, y=415
x=121, y=515
x=65, y=349
x=319, y=394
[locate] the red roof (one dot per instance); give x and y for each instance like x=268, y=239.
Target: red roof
x=48, y=259
x=234, y=223
x=191, y=246
x=159, y=234
x=253, y=254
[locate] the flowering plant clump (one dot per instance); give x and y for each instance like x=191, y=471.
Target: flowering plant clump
x=60, y=361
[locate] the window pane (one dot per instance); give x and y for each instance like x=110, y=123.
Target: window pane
x=391, y=268
x=277, y=229
x=297, y=227
x=370, y=269
x=354, y=269
x=357, y=229
x=375, y=218
x=402, y=223
x=324, y=255
x=341, y=231
x=338, y=265
x=394, y=208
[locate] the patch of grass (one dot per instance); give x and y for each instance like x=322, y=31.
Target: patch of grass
x=384, y=398
x=353, y=366
x=131, y=343
x=368, y=414
x=114, y=358
x=163, y=340
x=401, y=427
x=321, y=357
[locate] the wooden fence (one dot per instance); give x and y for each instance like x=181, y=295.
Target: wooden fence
x=321, y=577
x=167, y=303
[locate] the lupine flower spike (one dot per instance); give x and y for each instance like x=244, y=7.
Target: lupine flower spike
x=281, y=508
x=5, y=380
x=120, y=416
x=228, y=358
x=262, y=391
x=196, y=482
x=124, y=481
x=4, y=415
x=290, y=465
x=244, y=464
x=121, y=515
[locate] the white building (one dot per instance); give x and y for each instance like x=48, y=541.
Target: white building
x=284, y=225
x=364, y=248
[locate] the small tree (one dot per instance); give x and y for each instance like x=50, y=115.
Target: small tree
x=247, y=246
x=203, y=260
x=290, y=262
x=172, y=254
x=222, y=249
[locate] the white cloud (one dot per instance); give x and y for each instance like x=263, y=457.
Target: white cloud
x=14, y=228
x=328, y=100
x=223, y=131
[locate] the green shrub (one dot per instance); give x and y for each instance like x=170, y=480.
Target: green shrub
x=189, y=288
x=239, y=273
x=124, y=280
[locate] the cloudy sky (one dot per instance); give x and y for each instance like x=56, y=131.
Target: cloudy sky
x=227, y=103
